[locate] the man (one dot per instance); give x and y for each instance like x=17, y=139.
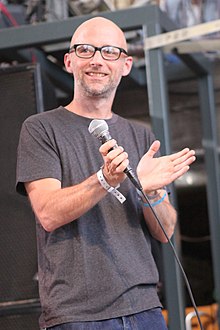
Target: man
x=96, y=270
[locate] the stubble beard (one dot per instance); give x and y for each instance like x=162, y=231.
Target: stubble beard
x=99, y=90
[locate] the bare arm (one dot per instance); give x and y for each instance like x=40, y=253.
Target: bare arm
x=166, y=214
x=55, y=207
x=155, y=173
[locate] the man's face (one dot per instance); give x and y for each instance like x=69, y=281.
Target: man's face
x=95, y=76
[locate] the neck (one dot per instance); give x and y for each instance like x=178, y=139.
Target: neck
x=99, y=109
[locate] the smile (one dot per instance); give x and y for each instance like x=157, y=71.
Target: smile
x=96, y=74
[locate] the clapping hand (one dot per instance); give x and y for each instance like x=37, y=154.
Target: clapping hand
x=155, y=173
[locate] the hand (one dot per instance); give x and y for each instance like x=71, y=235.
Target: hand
x=155, y=173
x=115, y=162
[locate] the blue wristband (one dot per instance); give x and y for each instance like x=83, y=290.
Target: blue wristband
x=155, y=203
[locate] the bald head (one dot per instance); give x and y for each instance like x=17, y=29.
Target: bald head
x=99, y=31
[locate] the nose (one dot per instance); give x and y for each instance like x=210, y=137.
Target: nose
x=97, y=57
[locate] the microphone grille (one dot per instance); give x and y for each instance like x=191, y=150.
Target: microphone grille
x=97, y=127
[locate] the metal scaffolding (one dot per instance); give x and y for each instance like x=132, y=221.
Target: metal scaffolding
x=151, y=21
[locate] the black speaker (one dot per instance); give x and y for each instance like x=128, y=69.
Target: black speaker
x=20, y=321
x=20, y=97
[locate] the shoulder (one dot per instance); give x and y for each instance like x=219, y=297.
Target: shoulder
x=141, y=128
x=44, y=116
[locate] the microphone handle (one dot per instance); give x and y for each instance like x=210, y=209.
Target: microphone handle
x=128, y=171
x=131, y=175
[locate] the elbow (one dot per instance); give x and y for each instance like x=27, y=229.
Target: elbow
x=47, y=226
x=46, y=221
x=164, y=240
x=45, y=208
x=169, y=229
x=169, y=234
x=166, y=235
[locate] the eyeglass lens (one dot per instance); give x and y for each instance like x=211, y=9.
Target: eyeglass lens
x=107, y=52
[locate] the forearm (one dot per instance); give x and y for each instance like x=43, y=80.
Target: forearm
x=57, y=207
x=166, y=214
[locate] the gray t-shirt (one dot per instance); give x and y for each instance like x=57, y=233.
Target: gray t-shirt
x=99, y=266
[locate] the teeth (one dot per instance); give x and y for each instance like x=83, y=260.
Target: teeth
x=96, y=74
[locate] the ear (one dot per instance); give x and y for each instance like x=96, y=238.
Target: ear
x=127, y=65
x=67, y=62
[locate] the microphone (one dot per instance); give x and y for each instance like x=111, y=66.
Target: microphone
x=99, y=129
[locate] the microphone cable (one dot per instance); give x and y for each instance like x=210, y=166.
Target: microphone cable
x=99, y=129
x=176, y=257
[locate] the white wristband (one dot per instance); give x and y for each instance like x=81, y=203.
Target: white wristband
x=110, y=189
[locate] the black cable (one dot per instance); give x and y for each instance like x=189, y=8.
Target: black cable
x=176, y=257
x=99, y=129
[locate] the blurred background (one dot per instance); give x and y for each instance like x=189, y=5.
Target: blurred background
x=33, y=79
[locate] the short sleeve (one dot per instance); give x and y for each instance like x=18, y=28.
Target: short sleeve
x=37, y=155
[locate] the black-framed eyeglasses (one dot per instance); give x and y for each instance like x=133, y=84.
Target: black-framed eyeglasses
x=109, y=53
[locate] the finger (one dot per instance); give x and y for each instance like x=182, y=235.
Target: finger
x=181, y=153
x=115, y=153
x=180, y=172
x=191, y=160
x=104, y=149
x=190, y=155
x=186, y=163
x=117, y=160
x=122, y=166
x=154, y=148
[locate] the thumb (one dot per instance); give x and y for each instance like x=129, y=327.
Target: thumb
x=154, y=148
